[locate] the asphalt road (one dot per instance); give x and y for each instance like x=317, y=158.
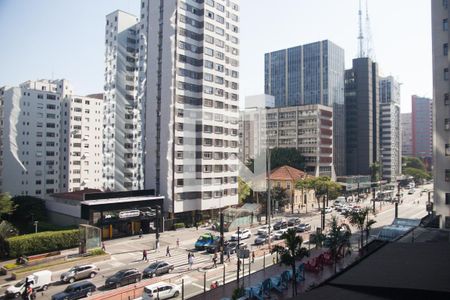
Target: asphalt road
x=127, y=252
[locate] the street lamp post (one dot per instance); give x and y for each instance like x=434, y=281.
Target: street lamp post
x=36, y=226
x=269, y=202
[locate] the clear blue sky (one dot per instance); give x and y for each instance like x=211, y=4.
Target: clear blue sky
x=64, y=39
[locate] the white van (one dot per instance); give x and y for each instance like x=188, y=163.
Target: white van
x=39, y=281
x=161, y=290
x=339, y=201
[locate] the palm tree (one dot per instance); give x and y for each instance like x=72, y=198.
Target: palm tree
x=339, y=236
x=291, y=253
x=360, y=219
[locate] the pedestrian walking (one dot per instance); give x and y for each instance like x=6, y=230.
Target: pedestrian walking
x=103, y=246
x=253, y=256
x=228, y=255
x=168, y=251
x=140, y=232
x=178, y=242
x=191, y=261
x=144, y=255
x=196, y=225
x=215, y=260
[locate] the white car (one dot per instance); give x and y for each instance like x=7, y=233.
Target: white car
x=328, y=210
x=161, y=290
x=243, y=234
x=278, y=235
x=263, y=230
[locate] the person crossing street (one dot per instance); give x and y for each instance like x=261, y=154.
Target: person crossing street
x=168, y=251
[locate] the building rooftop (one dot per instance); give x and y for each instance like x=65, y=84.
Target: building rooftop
x=78, y=195
x=287, y=173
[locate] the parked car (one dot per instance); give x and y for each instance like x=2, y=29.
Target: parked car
x=263, y=229
x=263, y=238
x=411, y=191
x=232, y=247
x=161, y=290
x=303, y=227
x=278, y=235
x=157, y=269
x=280, y=225
x=243, y=234
x=123, y=277
x=205, y=240
x=293, y=221
x=79, y=272
x=328, y=210
x=76, y=291
x=40, y=281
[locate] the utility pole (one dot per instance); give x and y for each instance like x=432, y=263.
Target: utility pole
x=398, y=201
x=323, y=213
x=373, y=199
x=237, y=254
x=221, y=236
x=269, y=203
x=158, y=211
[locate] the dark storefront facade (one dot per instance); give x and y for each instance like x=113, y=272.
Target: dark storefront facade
x=121, y=214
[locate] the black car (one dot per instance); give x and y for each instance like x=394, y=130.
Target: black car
x=280, y=225
x=76, y=291
x=293, y=221
x=157, y=269
x=123, y=277
x=215, y=247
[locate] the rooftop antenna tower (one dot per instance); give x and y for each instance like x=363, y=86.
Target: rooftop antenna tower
x=369, y=40
x=361, y=52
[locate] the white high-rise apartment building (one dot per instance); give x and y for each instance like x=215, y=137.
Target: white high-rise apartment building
x=390, y=136
x=39, y=150
x=441, y=110
x=123, y=106
x=192, y=100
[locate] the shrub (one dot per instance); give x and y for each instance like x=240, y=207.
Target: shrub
x=42, y=242
x=96, y=251
x=178, y=225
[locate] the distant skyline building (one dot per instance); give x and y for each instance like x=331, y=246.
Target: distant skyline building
x=422, y=127
x=50, y=139
x=406, y=130
x=441, y=110
x=362, y=116
x=390, y=135
x=192, y=103
x=311, y=74
x=123, y=164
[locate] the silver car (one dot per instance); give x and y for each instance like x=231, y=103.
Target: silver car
x=79, y=272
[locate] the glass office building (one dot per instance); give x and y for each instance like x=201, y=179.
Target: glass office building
x=311, y=74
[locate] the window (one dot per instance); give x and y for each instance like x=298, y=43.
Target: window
x=447, y=198
x=445, y=24
x=446, y=99
x=447, y=175
x=209, y=51
x=447, y=124
x=209, y=64
x=445, y=73
x=445, y=3
x=447, y=149
x=445, y=46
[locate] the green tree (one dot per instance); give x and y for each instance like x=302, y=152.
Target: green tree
x=286, y=156
x=413, y=162
x=338, y=238
x=360, y=219
x=321, y=185
x=292, y=252
x=6, y=205
x=279, y=195
x=7, y=230
x=375, y=171
x=28, y=209
x=418, y=174
x=244, y=190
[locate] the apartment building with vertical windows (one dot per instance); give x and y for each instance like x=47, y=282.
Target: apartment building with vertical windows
x=406, y=130
x=390, y=136
x=422, y=128
x=311, y=74
x=192, y=100
x=362, y=116
x=123, y=105
x=441, y=110
x=81, y=143
x=36, y=139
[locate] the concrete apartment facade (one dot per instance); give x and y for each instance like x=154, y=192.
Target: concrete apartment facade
x=390, y=136
x=41, y=152
x=311, y=74
x=192, y=100
x=441, y=110
x=406, y=129
x=362, y=116
x=422, y=127
x=123, y=118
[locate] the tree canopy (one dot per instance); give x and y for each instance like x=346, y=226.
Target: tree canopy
x=28, y=209
x=321, y=185
x=280, y=157
x=6, y=205
x=244, y=190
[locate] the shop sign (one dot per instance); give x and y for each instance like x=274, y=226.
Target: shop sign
x=129, y=214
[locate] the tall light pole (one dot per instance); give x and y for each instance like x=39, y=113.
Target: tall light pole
x=268, y=193
x=35, y=226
